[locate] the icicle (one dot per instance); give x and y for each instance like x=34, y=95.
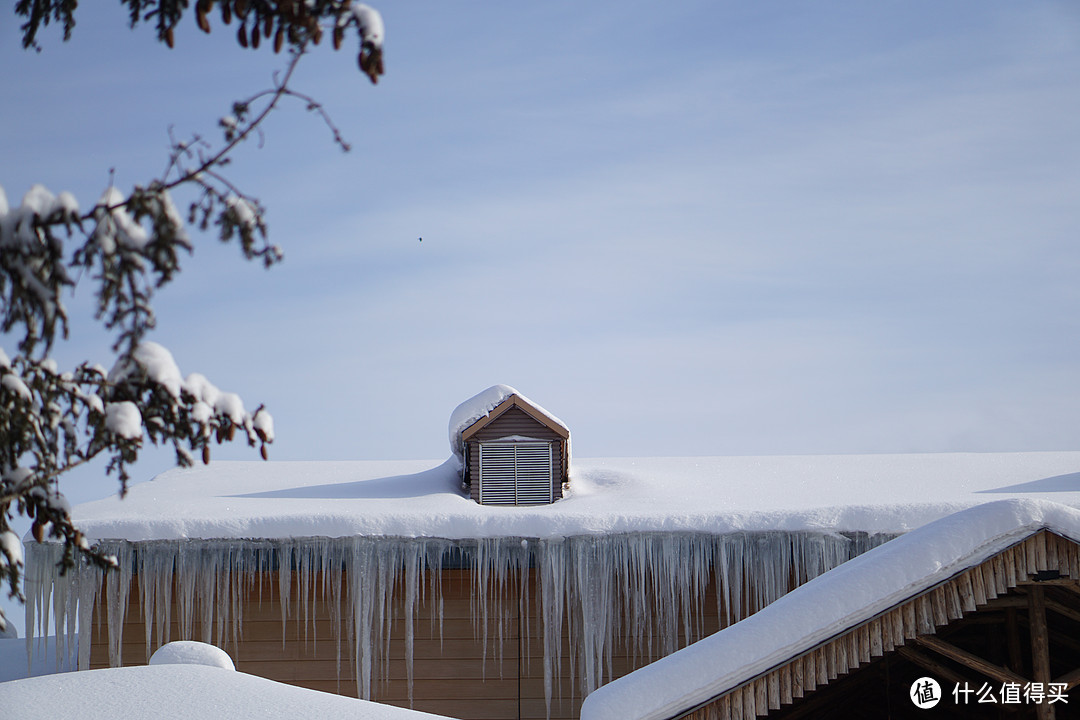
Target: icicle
x=118, y=584
x=285, y=562
x=361, y=599
x=552, y=563
x=89, y=592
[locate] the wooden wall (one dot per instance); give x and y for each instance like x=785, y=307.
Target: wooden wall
x=455, y=674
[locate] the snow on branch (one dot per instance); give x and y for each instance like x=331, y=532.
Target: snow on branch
x=127, y=246
x=286, y=23
x=54, y=421
x=370, y=24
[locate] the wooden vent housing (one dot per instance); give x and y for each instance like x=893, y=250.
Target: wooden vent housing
x=516, y=455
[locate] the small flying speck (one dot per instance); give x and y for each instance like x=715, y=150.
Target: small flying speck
x=421, y=239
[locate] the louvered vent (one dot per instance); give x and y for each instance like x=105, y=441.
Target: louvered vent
x=516, y=473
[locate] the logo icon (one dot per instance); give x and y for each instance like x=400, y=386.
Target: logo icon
x=925, y=693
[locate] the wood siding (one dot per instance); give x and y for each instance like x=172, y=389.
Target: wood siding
x=456, y=671
x=515, y=421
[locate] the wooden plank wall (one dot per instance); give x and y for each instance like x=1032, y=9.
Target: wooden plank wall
x=455, y=672
x=921, y=615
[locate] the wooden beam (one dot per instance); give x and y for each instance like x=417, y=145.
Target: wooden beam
x=931, y=665
x=1060, y=609
x=984, y=617
x=772, y=689
x=1072, y=586
x=1012, y=630
x=970, y=660
x=1062, y=582
x=735, y=711
x=978, y=586
x=1003, y=578
x=1040, y=647
x=798, y=685
x=786, y=684
x=1007, y=601
x=1041, y=561
x=1066, y=641
x=1070, y=679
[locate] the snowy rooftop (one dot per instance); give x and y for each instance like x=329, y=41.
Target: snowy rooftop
x=872, y=493
x=823, y=607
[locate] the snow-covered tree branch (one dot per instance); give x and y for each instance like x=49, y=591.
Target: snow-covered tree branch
x=127, y=246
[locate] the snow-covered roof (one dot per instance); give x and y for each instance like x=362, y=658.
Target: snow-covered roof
x=871, y=493
x=182, y=692
x=480, y=405
x=827, y=605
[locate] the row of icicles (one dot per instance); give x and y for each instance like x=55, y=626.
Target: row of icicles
x=644, y=593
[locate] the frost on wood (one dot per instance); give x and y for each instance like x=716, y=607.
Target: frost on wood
x=642, y=591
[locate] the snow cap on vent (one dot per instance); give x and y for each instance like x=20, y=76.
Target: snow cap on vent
x=479, y=406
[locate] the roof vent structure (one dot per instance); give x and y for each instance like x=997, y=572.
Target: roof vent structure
x=512, y=451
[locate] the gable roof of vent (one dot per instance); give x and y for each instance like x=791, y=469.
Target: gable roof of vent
x=481, y=409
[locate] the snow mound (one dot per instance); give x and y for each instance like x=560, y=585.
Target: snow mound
x=191, y=652
x=182, y=692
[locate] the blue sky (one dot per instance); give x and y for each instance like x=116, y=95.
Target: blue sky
x=695, y=228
